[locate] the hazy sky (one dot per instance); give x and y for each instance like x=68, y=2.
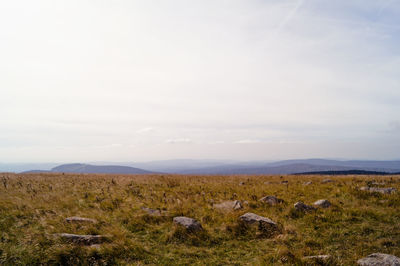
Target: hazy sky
x=143, y=80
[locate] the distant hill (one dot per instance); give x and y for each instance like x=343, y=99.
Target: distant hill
x=348, y=172
x=98, y=169
x=297, y=166
x=255, y=170
x=221, y=167
x=92, y=169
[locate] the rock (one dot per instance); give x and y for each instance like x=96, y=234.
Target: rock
x=284, y=182
x=241, y=184
x=379, y=259
x=307, y=183
x=189, y=223
x=264, y=224
x=229, y=205
x=84, y=239
x=271, y=200
x=322, y=203
x=76, y=219
x=320, y=259
x=377, y=184
x=388, y=190
x=154, y=212
x=300, y=206
x=325, y=181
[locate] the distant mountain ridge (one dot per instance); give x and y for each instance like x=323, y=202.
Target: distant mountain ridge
x=215, y=167
x=93, y=169
x=347, y=172
x=297, y=166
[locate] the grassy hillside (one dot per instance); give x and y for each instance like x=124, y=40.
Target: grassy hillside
x=33, y=208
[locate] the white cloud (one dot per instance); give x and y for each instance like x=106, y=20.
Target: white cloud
x=179, y=140
x=248, y=141
x=145, y=130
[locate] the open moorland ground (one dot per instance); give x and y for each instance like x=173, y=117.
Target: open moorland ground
x=33, y=208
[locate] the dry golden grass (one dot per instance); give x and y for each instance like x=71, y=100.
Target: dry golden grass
x=33, y=208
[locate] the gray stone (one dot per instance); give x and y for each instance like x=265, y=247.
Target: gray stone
x=76, y=219
x=189, y=223
x=84, y=239
x=229, y=205
x=264, y=224
x=307, y=183
x=318, y=258
x=325, y=181
x=379, y=259
x=377, y=183
x=300, y=206
x=154, y=212
x=271, y=200
x=322, y=203
x=388, y=190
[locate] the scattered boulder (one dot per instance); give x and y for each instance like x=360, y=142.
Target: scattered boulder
x=325, y=181
x=300, y=206
x=271, y=200
x=383, y=190
x=189, y=223
x=379, y=259
x=264, y=224
x=322, y=203
x=154, y=212
x=229, y=205
x=84, y=239
x=307, y=183
x=76, y=219
x=320, y=259
x=377, y=183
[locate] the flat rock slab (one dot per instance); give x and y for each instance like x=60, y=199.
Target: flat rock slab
x=252, y=218
x=325, y=181
x=189, y=223
x=379, y=259
x=271, y=200
x=300, y=206
x=154, y=212
x=264, y=224
x=76, y=219
x=307, y=183
x=84, y=239
x=383, y=190
x=322, y=203
x=377, y=183
x=229, y=205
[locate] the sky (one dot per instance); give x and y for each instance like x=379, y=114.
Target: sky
x=213, y=79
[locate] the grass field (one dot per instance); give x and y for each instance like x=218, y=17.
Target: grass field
x=33, y=208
